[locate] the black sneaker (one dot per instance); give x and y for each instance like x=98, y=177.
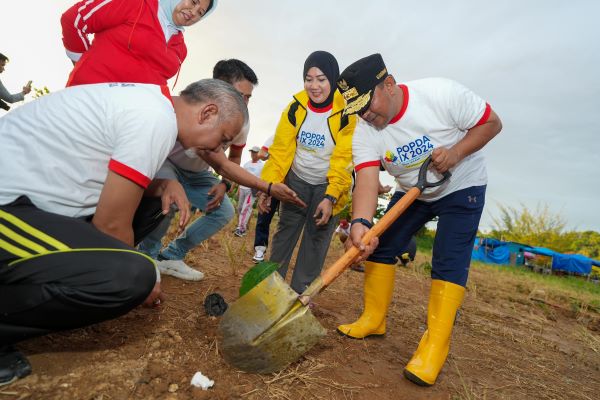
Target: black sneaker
x=13, y=365
x=239, y=233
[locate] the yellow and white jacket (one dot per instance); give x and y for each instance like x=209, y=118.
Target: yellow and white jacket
x=283, y=149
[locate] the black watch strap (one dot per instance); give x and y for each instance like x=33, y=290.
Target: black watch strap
x=363, y=221
x=227, y=184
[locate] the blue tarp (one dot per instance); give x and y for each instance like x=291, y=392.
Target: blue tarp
x=575, y=263
x=495, y=251
x=542, y=251
x=490, y=251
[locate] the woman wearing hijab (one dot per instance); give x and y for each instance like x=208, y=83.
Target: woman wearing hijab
x=137, y=41
x=312, y=154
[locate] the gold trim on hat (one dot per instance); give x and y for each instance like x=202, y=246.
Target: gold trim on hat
x=343, y=84
x=381, y=73
x=350, y=94
x=358, y=104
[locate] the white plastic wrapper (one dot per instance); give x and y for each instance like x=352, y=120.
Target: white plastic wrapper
x=202, y=381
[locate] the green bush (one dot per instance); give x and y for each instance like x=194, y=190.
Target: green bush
x=425, y=239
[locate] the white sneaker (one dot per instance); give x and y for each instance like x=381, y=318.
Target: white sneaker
x=179, y=269
x=260, y=253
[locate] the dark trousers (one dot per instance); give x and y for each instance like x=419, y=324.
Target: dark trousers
x=263, y=224
x=60, y=273
x=458, y=219
x=293, y=221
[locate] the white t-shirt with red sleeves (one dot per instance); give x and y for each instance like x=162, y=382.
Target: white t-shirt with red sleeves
x=268, y=143
x=57, y=150
x=189, y=160
x=437, y=112
x=314, y=146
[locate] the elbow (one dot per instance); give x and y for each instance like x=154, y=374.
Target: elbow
x=115, y=230
x=496, y=123
x=67, y=18
x=213, y=160
x=497, y=126
x=218, y=169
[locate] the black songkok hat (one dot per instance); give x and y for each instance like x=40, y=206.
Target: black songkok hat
x=358, y=81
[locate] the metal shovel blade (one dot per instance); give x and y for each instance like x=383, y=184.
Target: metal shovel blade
x=268, y=328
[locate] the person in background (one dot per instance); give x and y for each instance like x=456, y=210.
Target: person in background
x=5, y=95
x=402, y=125
x=191, y=168
x=66, y=239
x=246, y=195
x=205, y=191
x=134, y=40
x=343, y=230
x=263, y=221
x=263, y=154
x=312, y=153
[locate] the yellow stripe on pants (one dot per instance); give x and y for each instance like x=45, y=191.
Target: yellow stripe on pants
x=36, y=233
x=22, y=240
x=13, y=249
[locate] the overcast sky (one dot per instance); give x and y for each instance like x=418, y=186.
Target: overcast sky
x=535, y=61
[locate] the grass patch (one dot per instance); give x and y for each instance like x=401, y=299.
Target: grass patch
x=569, y=289
x=425, y=242
x=564, y=282
x=574, y=292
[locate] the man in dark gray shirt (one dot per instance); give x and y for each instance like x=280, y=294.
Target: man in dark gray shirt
x=5, y=96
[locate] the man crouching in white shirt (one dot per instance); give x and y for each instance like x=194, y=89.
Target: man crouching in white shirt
x=70, y=216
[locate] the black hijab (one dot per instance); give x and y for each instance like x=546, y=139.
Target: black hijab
x=327, y=63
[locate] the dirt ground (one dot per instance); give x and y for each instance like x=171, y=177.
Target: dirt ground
x=512, y=340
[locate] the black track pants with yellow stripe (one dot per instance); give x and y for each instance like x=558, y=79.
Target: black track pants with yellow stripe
x=60, y=273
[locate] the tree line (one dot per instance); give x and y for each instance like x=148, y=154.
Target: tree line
x=540, y=227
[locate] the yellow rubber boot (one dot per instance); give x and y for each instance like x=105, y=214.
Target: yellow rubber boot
x=425, y=365
x=379, y=286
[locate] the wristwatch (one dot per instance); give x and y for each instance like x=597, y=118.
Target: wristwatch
x=332, y=199
x=227, y=184
x=362, y=221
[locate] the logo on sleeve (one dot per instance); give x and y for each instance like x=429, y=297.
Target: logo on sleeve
x=414, y=151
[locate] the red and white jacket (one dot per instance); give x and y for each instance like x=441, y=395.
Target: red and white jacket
x=129, y=43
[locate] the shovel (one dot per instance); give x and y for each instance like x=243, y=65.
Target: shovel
x=270, y=326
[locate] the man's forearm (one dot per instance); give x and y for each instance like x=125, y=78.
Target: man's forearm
x=477, y=137
x=235, y=159
x=364, y=197
x=240, y=176
x=232, y=171
x=8, y=97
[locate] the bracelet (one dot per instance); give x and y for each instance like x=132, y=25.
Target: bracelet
x=269, y=188
x=332, y=199
x=227, y=184
x=363, y=221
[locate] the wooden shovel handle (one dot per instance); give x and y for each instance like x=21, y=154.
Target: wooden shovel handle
x=331, y=273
